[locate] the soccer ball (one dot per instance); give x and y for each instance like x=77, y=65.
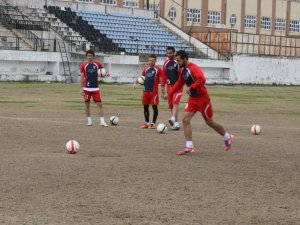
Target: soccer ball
x=162, y=128
x=141, y=80
x=101, y=72
x=72, y=147
x=256, y=129
x=114, y=120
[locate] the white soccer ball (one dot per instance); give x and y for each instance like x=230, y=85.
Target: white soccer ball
x=162, y=128
x=101, y=72
x=141, y=80
x=72, y=147
x=114, y=120
x=256, y=129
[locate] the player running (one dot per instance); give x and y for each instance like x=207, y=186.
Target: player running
x=89, y=86
x=152, y=74
x=192, y=76
x=170, y=77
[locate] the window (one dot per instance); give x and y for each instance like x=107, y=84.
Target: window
x=214, y=17
x=279, y=24
x=193, y=15
x=108, y=2
x=294, y=25
x=130, y=4
x=86, y=1
x=265, y=23
x=250, y=21
x=151, y=6
x=172, y=13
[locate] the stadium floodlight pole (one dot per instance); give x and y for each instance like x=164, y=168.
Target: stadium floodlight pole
x=232, y=24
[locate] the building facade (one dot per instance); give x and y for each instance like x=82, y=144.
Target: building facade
x=270, y=17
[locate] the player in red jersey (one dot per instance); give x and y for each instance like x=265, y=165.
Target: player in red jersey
x=170, y=77
x=152, y=74
x=89, y=86
x=199, y=101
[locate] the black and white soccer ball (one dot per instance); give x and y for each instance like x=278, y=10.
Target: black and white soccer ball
x=162, y=128
x=114, y=120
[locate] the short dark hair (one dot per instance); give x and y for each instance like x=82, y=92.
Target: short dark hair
x=90, y=52
x=171, y=48
x=152, y=56
x=182, y=54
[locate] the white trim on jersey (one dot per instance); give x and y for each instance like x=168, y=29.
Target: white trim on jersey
x=155, y=99
x=166, y=62
x=205, y=111
x=190, y=74
x=179, y=94
x=91, y=89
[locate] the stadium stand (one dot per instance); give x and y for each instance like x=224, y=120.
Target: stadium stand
x=115, y=33
x=134, y=34
x=101, y=42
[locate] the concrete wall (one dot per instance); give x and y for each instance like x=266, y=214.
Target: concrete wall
x=264, y=70
x=47, y=66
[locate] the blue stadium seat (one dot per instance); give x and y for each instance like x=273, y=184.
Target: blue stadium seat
x=124, y=29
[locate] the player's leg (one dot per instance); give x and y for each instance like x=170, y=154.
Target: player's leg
x=87, y=97
x=175, y=116
x=174, y=101
x=147, y=116
x=154, y=103
x=88, y=113
x=146, y=100
x=155, y=115
x=171, y=106
x=207, y=113
x=98, y=101
x=187, y=129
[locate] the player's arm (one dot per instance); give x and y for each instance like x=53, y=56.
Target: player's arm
x=178, y=85
x=101, y=66
x=82, y=83
x=136, y=83
x=163, y=80
x=199, y=78
x=82, y=80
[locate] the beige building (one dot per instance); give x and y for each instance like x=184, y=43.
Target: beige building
x=270, y=17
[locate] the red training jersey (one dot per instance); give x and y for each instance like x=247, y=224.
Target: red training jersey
x=90, y=72
x=194, y=79
x=152, y=77
x=170, y=72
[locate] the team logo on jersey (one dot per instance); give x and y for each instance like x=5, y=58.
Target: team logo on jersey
x=150, y=74
x=185, y=74
x=171, y=67
x=94, y=67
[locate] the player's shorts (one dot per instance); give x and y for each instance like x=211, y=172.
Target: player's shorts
x=201, y=105
x=150, y=98
x=92, y=94
x=175, y=98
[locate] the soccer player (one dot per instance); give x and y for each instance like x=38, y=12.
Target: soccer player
x=89, y=86
x=170, y=77
x=152, y=74
x=198, y=101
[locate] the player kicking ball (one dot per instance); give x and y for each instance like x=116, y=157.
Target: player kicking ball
x=152, y=75
x=198, y=101
x=170, y=77
x=89, y=86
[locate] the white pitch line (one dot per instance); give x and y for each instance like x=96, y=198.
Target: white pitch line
x=66, y=122
x=35, y=119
